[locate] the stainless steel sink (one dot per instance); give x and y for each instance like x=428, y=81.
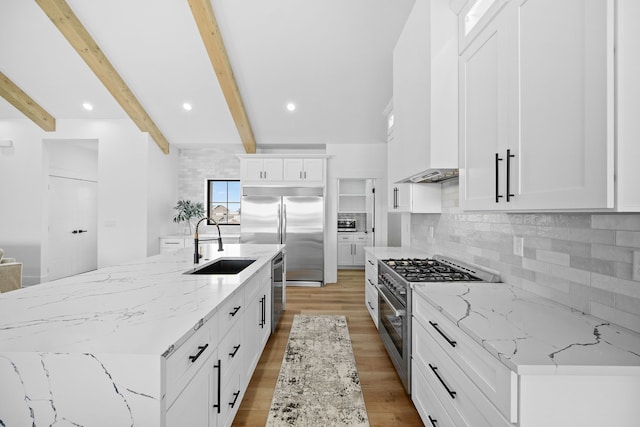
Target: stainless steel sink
x=223, y=266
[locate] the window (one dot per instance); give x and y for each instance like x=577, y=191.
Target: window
x=223, y=201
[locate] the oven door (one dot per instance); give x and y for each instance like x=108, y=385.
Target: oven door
x=394, y=331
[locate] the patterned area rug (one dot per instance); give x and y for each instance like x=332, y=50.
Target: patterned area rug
x=318, y=384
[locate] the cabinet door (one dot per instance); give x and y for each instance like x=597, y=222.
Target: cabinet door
x=191, y=408
x=273, y=169
x=564, y=146
x=403, y=198
x=483, y=72
x=345, y=253
x=313, y=169
x=358, y=253
x=253, y=169
x=293, y=169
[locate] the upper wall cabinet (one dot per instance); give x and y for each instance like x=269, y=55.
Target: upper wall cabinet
x=425, y=87
x=303, y=169
x=536, y=97
x=270, y=169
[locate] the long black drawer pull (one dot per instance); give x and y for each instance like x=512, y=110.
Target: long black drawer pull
x=435, y=372
x=369, y=261
x=217, y=405
x=235, y=310
x=498, y=195
x=201, y=349
x=509, y=157
x=433, y=421
x=235, y=350
x=235, y=399
x=451, y=342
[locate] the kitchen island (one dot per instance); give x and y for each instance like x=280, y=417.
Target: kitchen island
x=117, y=346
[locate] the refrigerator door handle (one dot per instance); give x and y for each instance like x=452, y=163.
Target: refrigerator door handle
x=279, y=224
x=284, y=224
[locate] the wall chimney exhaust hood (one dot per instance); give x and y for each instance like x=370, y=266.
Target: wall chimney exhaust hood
x=432, y=175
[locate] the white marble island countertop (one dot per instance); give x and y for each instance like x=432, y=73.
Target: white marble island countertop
x=533, y=335
x=141, y=307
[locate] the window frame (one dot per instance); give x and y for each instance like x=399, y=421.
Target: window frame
x=209, y=200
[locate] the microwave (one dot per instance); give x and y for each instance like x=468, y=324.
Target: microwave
x=346, y=224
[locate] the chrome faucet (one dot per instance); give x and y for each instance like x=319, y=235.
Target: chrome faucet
x=196, y=254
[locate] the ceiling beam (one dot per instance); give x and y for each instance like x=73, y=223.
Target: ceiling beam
x=76, y=34
x=208, y=26
x=25, y=104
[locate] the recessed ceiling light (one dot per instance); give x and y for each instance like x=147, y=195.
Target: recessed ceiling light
x=87, y=106
x=291, y=107
x=187, y=106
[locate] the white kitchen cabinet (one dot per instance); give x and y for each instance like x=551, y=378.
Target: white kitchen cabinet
x=258, y=317
x=172, y=244
x=351, y=248
x=195, y=405
x=371, y=286
x=536, y=102
x=262, y=169
x=304, y=170
x=415, y=198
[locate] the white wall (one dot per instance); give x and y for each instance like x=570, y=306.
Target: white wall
x=353, y=161
x=127, y=202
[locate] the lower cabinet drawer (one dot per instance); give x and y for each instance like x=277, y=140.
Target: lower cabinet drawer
x=371, y=299
x=429, y=407
x=230, y=312
x=232, y=351
x=463, y=401
x=187, y=359
x=495, y=380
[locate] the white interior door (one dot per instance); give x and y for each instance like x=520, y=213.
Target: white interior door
x=73, y=245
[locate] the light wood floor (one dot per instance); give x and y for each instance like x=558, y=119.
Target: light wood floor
x=385, y=398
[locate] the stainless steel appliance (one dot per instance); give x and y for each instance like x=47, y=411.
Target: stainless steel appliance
x=278, y=286
x=347, y=224
x=395, y=277
x=293, y=216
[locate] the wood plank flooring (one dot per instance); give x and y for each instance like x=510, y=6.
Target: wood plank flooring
x=385, y=398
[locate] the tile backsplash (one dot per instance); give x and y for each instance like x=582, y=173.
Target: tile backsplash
x=582, y=260
x=196, y=165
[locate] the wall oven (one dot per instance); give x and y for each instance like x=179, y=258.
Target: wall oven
x=395, y=279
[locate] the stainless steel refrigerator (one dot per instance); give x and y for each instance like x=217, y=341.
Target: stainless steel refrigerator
x=293, y=216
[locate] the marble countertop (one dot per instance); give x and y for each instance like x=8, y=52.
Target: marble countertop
x=141, y=307
x=533, y=335
x=527, y=333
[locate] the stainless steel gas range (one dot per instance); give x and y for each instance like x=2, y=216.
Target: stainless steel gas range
x=395, y=277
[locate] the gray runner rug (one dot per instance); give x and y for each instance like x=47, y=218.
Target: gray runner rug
x=318, y=384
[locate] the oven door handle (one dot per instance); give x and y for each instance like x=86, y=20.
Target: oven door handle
x=398, y=312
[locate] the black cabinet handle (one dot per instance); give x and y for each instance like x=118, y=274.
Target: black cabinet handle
x=264, y=310
x=498, y=195
x=236, y=394
x=368, y=302
x=82, y=231
x=433, y=422
x=235, y=310
x=74, y=232
x=509, y=157
x=201, y=349
x=369, y=261
x=451, y=342
x=217, y=366
x=435, y=372
x=235, y=350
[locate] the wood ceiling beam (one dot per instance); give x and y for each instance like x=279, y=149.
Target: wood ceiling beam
x=208, y=26
x=77, y=35
x=25, y=104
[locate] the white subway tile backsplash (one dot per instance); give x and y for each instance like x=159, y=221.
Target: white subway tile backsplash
x=553, y=257
x=616, y=222
x=582, y=260
x=628, y=239
x=615, y=285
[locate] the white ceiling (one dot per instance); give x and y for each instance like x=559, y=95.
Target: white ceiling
x=333, y=58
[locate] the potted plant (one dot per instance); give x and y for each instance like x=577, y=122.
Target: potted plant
x=188, y=210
